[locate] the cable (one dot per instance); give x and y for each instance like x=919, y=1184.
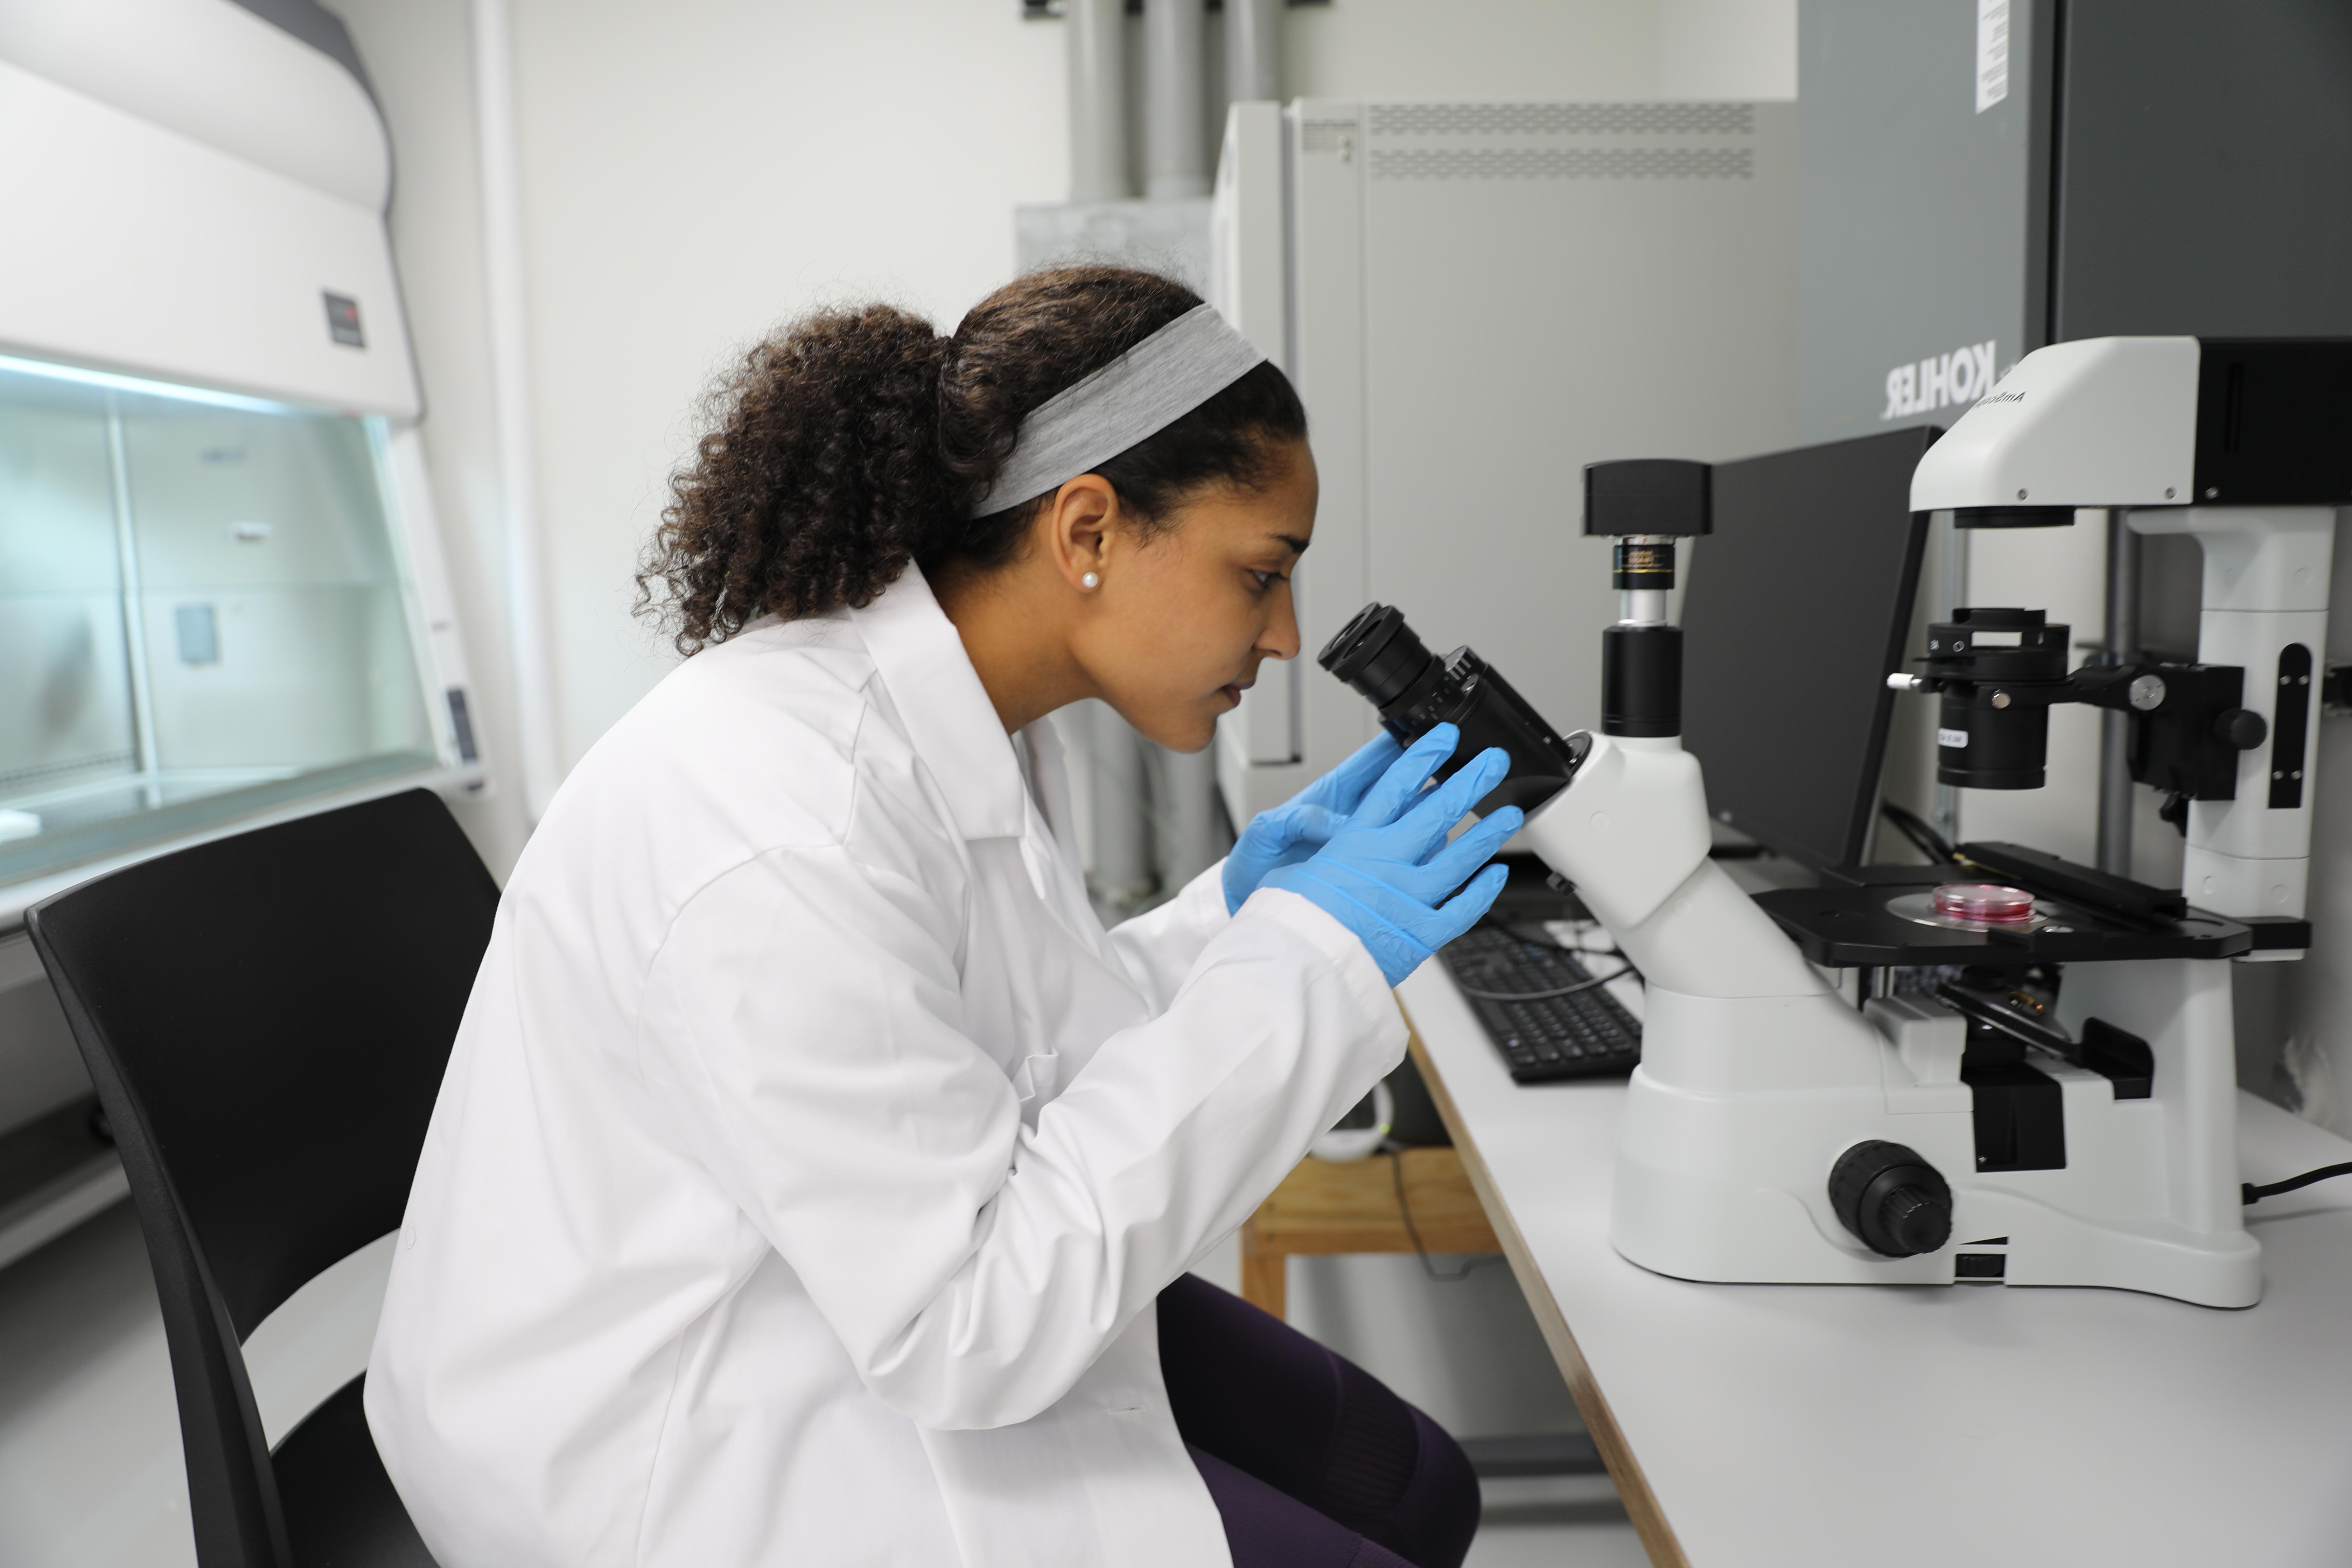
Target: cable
x=1921, y=833
x=1535, y=935
x=1395, y=1152
x=1618, y=974
x=2254, y=1195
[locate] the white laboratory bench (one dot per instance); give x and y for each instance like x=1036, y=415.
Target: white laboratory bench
x=1749, y=1424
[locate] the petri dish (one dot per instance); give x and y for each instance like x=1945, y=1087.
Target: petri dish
x=1983, y=901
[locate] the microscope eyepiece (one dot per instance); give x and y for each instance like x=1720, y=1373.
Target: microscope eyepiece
x=1377, y=653
x=1415, y=690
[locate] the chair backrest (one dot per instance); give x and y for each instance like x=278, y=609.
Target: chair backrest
x=267, y=1019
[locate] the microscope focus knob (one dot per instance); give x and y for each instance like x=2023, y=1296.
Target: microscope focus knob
x=2241, y=729
x=1897, y=1203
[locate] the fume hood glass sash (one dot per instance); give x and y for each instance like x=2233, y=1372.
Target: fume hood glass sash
x=209, y=608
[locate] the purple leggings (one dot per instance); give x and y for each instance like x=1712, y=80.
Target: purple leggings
x=1312, y=1463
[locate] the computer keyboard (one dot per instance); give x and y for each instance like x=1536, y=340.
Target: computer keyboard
x=1584, y=1033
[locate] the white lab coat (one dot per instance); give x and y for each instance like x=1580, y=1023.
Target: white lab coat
x=810, y=1158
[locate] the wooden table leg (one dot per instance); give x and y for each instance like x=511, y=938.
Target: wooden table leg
x=1264, y=1272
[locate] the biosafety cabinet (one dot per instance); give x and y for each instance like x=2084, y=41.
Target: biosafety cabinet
x=1476, y=300
x=222, y=594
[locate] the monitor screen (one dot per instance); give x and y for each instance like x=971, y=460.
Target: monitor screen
x=1796, y=611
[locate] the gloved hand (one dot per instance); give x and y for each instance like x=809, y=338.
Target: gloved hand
x=1286, y=834
x=1384, y=871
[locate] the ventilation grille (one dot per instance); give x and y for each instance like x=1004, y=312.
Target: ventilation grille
x=1560, y=119
x=1566, y=164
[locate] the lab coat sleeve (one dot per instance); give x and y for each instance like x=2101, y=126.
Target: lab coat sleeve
x=801, y=1028
x=1159, y=946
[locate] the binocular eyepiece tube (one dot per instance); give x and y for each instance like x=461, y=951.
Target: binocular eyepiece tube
x=1414, y=691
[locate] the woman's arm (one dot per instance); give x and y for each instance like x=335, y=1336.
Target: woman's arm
x=803, y=1026
x=1159, y=946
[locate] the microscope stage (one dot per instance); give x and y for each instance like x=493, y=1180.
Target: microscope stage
x=1867, y=927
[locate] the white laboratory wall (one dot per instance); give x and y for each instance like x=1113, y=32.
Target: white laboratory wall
x=693, y=174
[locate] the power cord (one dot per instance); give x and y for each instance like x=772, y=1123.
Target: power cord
x=1921, y=833
x=1395, y=1152
x=1618, y=974
x=2254, y=1195
x=1547, y=940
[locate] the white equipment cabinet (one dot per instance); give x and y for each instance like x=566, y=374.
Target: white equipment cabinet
x=1476, y=300
x=223, y=598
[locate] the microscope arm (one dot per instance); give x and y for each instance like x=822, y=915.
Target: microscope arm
x=1631, y=831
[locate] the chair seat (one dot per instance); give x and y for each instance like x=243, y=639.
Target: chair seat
x=341, y=1508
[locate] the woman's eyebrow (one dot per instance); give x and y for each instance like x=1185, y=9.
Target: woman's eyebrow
x=1297, y=545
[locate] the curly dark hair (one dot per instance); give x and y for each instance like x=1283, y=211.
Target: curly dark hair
x=851, y=444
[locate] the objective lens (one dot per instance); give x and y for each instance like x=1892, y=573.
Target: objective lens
x=1999, y=671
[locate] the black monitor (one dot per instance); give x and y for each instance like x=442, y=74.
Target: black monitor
x=1796, y=611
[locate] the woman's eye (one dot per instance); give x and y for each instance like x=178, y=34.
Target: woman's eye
x=1266, y=579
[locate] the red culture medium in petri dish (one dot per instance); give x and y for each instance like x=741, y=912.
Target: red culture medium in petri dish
x=1983, y=901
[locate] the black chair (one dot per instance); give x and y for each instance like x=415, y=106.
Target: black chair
x=267, y=1019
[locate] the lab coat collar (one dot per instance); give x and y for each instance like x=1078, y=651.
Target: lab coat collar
x=953, y=725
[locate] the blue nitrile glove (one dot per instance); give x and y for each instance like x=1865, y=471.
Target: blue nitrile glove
x=1384, y=871
x=1287, y=834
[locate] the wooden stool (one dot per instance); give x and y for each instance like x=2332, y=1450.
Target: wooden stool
x=1326, y=1206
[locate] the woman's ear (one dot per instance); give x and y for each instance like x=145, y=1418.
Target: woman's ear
x=1079, y=525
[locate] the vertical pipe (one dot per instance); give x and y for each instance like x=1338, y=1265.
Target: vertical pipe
x=1096, y=33
x=1955, y=595
x=1253, y=50
x=2115, y=728
x=134, y=608
x=502, y=265
x=1175, y=132
x=1183, y=815
x=1122, y=822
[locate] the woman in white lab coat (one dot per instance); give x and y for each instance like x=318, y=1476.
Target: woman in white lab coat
x=815, y=1180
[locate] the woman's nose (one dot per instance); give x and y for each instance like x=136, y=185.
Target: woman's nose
x=1280, y=639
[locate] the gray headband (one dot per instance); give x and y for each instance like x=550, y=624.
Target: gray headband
x=1139, y=394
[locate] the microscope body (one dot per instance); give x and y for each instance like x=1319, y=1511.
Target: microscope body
x=1756, y=1078
x=1775, y=1132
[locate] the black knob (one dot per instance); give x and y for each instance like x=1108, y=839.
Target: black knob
x=1897, y=1203
x=2241, y=728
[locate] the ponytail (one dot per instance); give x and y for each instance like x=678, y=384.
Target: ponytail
x=851, y=444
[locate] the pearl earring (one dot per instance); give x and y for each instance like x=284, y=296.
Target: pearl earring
x=1091, y=580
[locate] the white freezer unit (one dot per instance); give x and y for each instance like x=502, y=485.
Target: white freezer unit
x=1476, y=300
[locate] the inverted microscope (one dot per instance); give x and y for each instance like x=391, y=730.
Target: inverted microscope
x=1957, y=1127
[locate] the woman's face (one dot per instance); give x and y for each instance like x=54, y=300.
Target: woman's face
x=1187, y=612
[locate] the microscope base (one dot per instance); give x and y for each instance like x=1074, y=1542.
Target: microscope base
x=1718, y=1229
x=1741, y=1108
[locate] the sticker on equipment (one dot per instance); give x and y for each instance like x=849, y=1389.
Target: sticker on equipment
x=1956, y=738
x=1993, y=53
